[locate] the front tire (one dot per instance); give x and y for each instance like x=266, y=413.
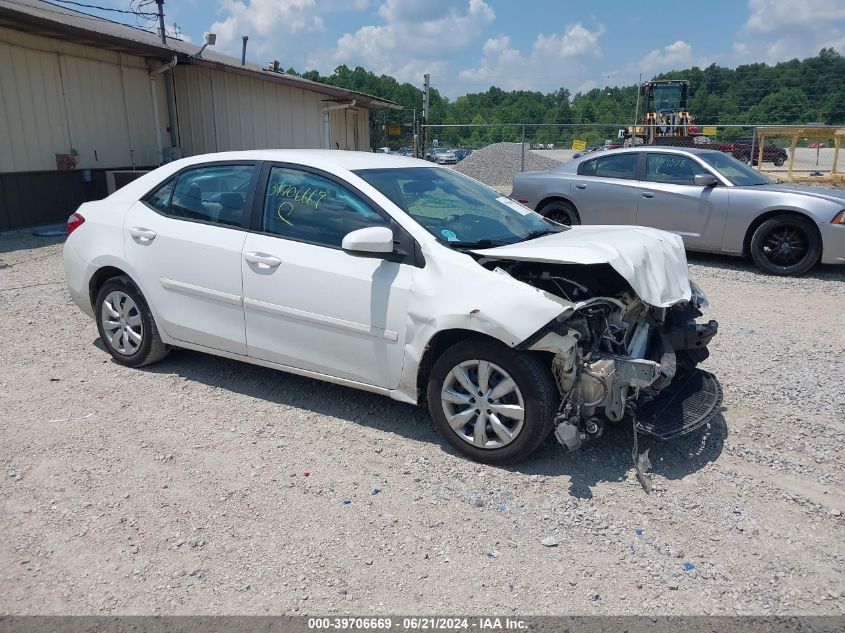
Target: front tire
x=126, y=325
x=492, y=403
x=786, y=245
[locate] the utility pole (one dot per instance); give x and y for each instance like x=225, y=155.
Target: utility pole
x=168, y=81
x=636, y=112
x=426, y=79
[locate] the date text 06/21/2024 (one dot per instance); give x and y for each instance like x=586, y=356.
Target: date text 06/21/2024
x=421, y=623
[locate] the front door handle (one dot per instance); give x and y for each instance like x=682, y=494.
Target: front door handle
x=141, y=233
x=262, y=258
x=648, y=194
x=580, y=185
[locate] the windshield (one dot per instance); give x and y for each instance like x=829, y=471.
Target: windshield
x=665, y=97
x=736, y=172
x=456, y=209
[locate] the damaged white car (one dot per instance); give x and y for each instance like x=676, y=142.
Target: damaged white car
x=396, y=276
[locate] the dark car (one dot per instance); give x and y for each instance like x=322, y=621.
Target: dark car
x=743, y=148
x=460, y=154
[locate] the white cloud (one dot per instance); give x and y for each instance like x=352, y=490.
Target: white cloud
x=274, y=27
x=675, y=55
x=415, y=38
x=766, y=16
x=553, y=59
x=779, y=30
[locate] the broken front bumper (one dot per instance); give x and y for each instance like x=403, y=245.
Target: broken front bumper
x=664, y=394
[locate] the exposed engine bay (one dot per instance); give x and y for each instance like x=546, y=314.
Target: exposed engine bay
x=617, y=358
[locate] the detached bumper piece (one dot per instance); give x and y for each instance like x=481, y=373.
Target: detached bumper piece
x=690, y=401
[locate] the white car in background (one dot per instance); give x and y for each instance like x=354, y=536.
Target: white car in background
x=396, y=276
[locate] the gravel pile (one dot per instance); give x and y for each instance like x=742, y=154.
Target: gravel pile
x=201, y=485
x=497, y=164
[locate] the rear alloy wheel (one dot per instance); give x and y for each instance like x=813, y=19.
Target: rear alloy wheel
x=779, y=161
x=494, y=404
x=561, y=212
x=786, y=245
x=126, y=326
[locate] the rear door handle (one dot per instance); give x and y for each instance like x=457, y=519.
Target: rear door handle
x=142, y=233
x=648, y=194
x=580, y=185
x=262, y=258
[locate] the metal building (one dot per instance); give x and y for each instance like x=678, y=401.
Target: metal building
x=82, y=97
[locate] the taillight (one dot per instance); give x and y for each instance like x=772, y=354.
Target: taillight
x=74, y=222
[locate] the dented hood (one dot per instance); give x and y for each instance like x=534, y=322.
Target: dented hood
x=653, y=262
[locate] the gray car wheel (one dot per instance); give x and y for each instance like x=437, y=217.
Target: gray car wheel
x=786, y=245
x=126, y=325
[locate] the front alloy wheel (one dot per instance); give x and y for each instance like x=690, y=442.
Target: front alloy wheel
x=786, y=245
x=482, y=404
x=492, y=403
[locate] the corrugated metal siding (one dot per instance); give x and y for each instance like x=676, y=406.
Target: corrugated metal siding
x=54, y=98
x=219, y=111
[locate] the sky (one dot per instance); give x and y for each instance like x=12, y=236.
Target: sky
x=469, y=45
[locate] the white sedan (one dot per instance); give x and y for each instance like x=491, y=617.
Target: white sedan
x=400, y=277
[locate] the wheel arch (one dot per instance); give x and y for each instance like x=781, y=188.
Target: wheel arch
x=101, y=276
x=768, y=215
x=443, y=340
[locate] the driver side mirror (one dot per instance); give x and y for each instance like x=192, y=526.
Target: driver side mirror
x=705, y=180
x=373, y=240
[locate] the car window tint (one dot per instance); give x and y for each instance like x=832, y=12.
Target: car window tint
x=620, y=166
x=309, y=208
x=159, y=199
x=212, y=194
x=671, y=168
x=587, y=168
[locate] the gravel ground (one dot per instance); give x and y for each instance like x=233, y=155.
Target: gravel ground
x=202, y=485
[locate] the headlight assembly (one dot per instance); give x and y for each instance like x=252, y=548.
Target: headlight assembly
x=698, y=298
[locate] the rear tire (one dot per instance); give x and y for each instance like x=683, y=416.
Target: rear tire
x=786, y=245
x=126, y=325
x=560, y=211
x=779, y=161
x=492, y=431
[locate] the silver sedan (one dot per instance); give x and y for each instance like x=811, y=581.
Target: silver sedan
x=714, y=202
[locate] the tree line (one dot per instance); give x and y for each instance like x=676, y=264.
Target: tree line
x=792, y=92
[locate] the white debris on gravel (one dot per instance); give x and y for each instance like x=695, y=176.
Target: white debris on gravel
x=497, y=164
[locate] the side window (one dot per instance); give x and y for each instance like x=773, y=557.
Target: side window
x=671, y=168
x=160, y=198
x=309, y=208
x=588, y=168
x=212, y=194
x=619, y=166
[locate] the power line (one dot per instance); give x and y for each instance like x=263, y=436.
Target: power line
x=94, y=6
x=77, y=14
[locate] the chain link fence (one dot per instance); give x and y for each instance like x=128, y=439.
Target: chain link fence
x=494, y=153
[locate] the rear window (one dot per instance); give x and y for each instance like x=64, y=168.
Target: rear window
x=616, y=166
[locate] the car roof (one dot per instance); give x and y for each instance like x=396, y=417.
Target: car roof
x=321, y=158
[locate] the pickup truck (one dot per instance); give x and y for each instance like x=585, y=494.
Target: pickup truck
x=741, y=149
